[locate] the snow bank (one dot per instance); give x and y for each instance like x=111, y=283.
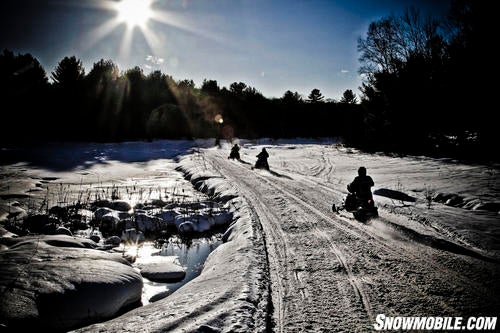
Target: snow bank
x=232, y=292
x=56, y=283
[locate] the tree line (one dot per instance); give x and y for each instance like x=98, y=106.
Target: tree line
x=421, y=94
x=108, y=105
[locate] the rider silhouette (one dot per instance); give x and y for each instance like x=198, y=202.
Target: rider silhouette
x=263, y=154
x=262, y=159
x=361, y=186
x=235, y=152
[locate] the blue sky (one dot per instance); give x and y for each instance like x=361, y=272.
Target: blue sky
x=273, y=46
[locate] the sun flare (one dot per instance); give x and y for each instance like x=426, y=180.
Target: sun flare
x=134, y=12
x=137, y=14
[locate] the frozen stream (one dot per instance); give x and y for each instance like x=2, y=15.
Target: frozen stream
x=190, y=256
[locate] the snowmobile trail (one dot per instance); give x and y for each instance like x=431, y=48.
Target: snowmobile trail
x=407, y=238
x=331, y=273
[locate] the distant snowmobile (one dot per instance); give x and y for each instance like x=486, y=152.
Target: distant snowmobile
x=235, y=152
x=261, y=162
x=234, y=155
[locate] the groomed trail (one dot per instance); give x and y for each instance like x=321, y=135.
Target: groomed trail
x=331, y=273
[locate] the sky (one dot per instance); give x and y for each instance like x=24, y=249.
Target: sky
x=271, y=45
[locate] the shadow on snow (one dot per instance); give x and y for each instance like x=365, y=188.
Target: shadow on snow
x=69, y=156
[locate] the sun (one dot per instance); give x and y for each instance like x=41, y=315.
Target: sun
x=134, y=12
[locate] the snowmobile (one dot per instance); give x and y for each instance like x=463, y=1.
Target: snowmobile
x=261, y=163
x=235, y=152
x=235, y=155
x=363, y=209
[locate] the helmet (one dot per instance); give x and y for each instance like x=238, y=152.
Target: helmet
x=362, y=171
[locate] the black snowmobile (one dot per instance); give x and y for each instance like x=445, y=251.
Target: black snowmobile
x=363, y=209
x=359, y=201
x=234, y=154
x=261, y=162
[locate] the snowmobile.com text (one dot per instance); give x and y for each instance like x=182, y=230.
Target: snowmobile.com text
x=383, y=322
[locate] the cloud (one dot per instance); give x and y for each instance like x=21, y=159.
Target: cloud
x=344, y=71
x=155, y=60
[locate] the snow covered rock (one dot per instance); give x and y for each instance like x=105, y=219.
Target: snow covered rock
x=168, y=215
x=113, y=240
x=146, y=222
x=100, y=212
x=488, y=206
x=201, y=222
x=162, y=269
x=470, y=203
x=110, y=222
x=187, y=227
x=63, y=231
x=95, y=238
x=120, y=205
x=56, y=283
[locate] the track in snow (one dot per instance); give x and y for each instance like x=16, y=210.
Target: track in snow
x=333, y=273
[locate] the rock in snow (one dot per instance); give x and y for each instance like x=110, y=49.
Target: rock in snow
x=56, y=283
x=162, y=269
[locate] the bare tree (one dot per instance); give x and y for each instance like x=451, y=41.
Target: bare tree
x=391, y=41
x=379, y=49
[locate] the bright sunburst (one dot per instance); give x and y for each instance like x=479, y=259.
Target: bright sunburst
x=134, y=12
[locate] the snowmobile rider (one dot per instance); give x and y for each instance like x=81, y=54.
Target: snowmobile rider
x=262, y=159
x=361, y=186
x=263, y=155
x=235, y=152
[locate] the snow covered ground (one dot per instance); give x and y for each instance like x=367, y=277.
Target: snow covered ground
x=289, y=263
